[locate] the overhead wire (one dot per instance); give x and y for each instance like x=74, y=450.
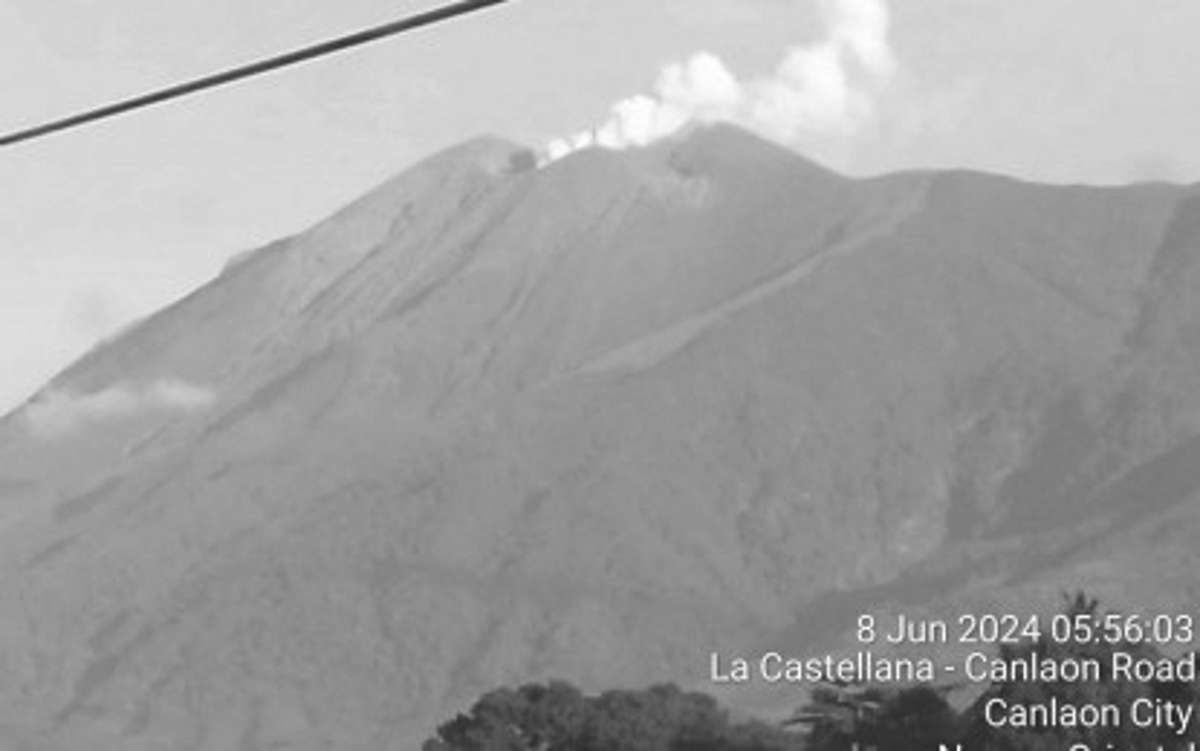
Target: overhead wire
x=222, y=78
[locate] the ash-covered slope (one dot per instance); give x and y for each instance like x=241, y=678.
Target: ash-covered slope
x=493, y=424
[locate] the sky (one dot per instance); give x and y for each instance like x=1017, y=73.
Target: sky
x=103, y=225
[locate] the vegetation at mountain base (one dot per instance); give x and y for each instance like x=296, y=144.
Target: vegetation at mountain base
x=559, y=717
x=886, y=719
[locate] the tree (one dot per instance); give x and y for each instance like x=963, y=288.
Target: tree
x=557, y=717
x=913, y=718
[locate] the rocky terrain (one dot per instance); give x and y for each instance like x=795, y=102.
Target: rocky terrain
x=496, y=423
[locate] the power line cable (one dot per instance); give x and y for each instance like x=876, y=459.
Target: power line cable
x=320, y=49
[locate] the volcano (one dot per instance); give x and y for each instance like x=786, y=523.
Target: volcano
x=494, y=423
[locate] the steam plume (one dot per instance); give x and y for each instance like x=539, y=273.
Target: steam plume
x=825, y=88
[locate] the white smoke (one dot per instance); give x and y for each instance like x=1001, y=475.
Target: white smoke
x=825, y=88
x=55, y=414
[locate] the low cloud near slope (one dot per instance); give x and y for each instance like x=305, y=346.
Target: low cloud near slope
x=56, y=414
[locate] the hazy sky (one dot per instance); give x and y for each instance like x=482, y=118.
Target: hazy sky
x=102, y=225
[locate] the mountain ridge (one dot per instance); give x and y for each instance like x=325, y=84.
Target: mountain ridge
x=493, y=423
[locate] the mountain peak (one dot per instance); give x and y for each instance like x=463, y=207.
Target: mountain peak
x=722, y=145
x=492, y=153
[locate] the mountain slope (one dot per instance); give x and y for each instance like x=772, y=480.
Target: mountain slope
x=492, y=424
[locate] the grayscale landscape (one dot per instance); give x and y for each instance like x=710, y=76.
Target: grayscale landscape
x=501, y=421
